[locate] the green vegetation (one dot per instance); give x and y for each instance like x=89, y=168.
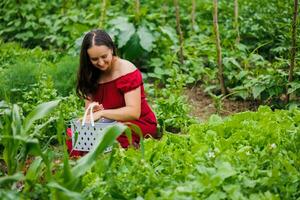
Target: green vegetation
x=249, y=155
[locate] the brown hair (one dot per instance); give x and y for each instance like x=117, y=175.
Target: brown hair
x=88, y=75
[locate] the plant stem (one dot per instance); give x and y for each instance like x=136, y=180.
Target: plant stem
x=137, y=10
x=103, y=14
x=193, y=13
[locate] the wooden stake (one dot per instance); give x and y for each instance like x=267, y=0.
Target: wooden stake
x=218, y=45
x=236, y=21
x=294, y=47
x=179, y=31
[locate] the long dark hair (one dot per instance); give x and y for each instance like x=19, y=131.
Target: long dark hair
x=88, y=75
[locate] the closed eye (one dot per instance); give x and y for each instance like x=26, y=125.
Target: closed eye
x=96, y=59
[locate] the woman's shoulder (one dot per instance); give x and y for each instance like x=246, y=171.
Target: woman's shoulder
x=128, y=71
x=126, y=67
x=131, y=77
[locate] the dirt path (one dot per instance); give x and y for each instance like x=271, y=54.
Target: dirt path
x=203, y=105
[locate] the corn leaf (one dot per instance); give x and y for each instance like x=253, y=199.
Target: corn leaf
x=15, y=177
x=86, y=162
x=38, y=113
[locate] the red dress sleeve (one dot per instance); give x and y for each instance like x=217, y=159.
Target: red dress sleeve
x=130, y=81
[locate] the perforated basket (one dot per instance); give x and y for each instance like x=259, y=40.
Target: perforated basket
x=84, y=138
x=86, y=135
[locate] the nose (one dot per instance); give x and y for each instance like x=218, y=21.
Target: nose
x=100, y=62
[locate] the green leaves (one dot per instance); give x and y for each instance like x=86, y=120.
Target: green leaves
x=38, y=113
x=12, y=178
x=257, y=90
x=293, y=87
x=38, y=23
x=86, y=162
x=16, y=138
x=126, y=30
x=224, y=170
x=146, y=38
x=65, y=180
x=63, y=192
x=224, y=158
x=131, y=42
x=247, y=155
x=33, y=172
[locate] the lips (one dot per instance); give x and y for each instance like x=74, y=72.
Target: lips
x=101, y=67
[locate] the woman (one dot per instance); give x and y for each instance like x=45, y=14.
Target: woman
x=115, y=84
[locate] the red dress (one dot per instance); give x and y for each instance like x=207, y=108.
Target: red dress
x=111, y=95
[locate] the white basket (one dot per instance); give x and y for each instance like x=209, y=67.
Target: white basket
x=89, y=134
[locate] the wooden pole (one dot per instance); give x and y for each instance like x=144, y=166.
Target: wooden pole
x=218, y=45
x=236, y=21
x=179, y=31
x=294, y=47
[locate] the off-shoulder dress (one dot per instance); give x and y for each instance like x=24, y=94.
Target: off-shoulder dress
x=111, y=95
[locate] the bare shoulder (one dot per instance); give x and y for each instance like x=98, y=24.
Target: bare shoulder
x=126, y=67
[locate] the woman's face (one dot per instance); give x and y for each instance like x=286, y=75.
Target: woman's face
x=101, y=56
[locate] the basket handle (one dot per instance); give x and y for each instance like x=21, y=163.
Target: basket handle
x=89, y=108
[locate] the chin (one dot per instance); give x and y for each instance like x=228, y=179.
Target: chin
x=102, y=68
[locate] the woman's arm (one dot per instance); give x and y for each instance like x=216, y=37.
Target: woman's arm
x=131, y=111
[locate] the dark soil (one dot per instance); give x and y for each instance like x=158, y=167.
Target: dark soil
x=202, y=105
x=3, y=167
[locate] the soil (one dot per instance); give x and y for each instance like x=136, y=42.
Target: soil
x=203, y=105
x=3, y=167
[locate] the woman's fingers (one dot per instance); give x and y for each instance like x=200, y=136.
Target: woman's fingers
x=98, y=107
x=101, y=107
x=96, y=116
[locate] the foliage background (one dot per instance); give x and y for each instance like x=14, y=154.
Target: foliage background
x=39, y=47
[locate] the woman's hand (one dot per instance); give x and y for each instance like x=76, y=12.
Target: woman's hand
x=96, y=115
x=96, y=112
x=97, y=107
